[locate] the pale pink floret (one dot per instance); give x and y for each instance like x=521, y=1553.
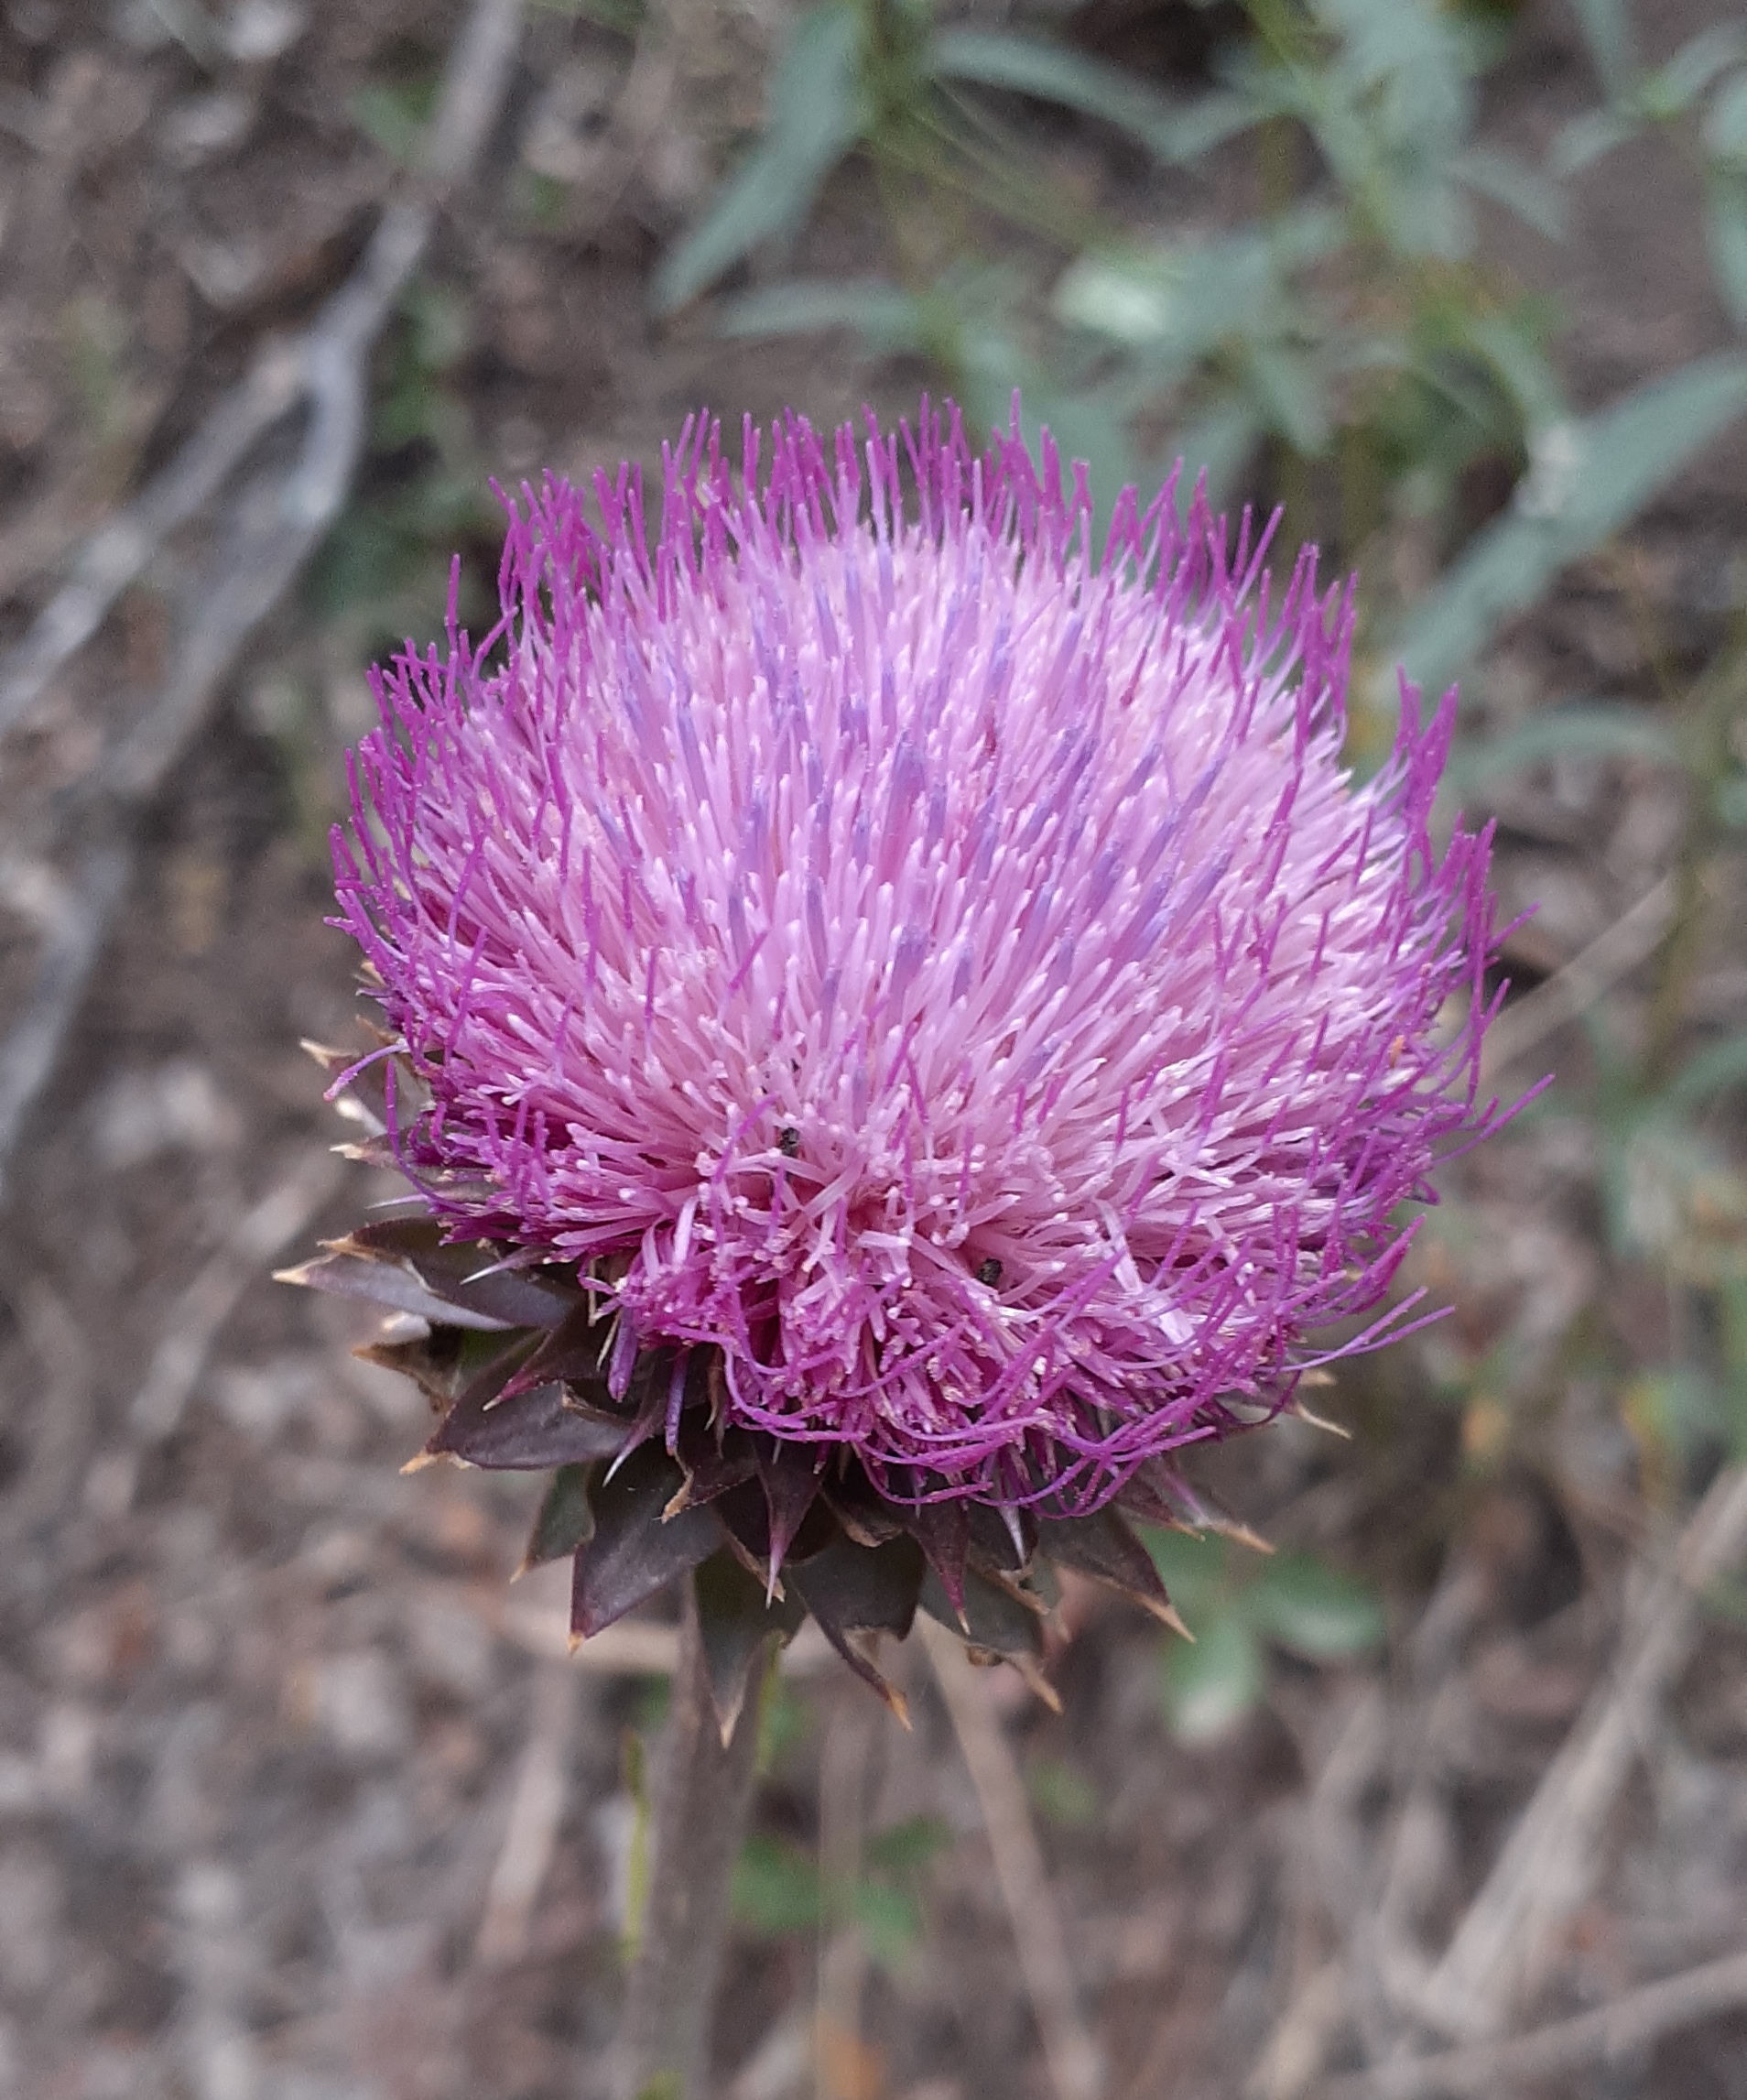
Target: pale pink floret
x=860, y=891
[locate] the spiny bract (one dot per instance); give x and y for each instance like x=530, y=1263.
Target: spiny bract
x=949, y=971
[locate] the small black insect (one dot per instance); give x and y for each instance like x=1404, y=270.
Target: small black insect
x=989, y=1272
x=788, y=1142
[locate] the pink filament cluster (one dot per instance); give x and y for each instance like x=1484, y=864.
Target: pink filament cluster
x=946, y=968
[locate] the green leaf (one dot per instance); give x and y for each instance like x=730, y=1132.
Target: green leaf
x=1726, y=231
x=993, y=1618
x=1219, y=443
x=1406, y=58
x=1289, y=391
x=1193, y=1569
x=633, y=1552
x=1051, y=72
x=1714, y=1069
x=395, y=117
x=1128, y=299
x=565, y=1520
x=1106, y=1548
x=1582, y=142
x=1726, y=201
x=736, y=1623
x=889, y=319
x=906, y=1848
x=1594, y=730
x=1510, y=346
x=774, y=1888
x=818, y=110
x=1181, y=301
x=1673, y=89
x=1592, y=477
x=1061, y=1794
x=1313, y=1610
x=890, y=1921
x=1606, y=30
x=1207, y=1686
x=1507, y=181
x=1726, y=125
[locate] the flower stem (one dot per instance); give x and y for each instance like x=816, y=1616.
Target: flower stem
x=703, y=1790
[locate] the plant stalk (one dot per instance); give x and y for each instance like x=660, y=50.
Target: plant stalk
x=702, y=1793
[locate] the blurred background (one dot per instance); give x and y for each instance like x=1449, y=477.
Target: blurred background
x=298, y=1799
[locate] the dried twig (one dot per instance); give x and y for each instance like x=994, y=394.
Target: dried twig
x=1075, y=2069
x=1500, y=1949
x=629, y=1648
x=838, y=2049
x=1610, y=2031
x=280, y=1217
x=1574, y=989
x=75, y=919
x=537, y=1811
x=275, y=520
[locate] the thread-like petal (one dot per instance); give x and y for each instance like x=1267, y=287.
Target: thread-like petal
x=950, y=972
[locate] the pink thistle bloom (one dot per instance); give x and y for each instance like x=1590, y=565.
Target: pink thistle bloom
x=946, y=970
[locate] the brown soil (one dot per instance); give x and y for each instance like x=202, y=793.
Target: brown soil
x=265, y=1720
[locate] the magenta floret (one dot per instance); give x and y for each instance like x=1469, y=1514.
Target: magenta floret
x=949, y=971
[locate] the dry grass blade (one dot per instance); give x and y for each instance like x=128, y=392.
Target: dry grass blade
x=1603, y=2036
x=1075, y=2069
x=273, y=521
x=840, y=2055
x=1573, y=990
x=1500, y=1949
x=281, y=1215
x=198, y=1314
x=536, y=1812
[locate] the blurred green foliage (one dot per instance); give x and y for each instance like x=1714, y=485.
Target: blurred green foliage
x=1237, y=1605
x=1318, y=326
x=1341, y=345
x=778, y=1890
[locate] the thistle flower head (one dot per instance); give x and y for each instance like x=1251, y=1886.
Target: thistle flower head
x=941, y=966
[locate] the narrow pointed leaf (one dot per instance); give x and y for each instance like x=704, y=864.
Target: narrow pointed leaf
x=791, y=1489
x=1159, y=1494
x=1104, y=1547
x=395, y=1285
x=1053, y=72
x=1315, y=1610
x=942, y=1530
x=526, y=1434
x=818, y=111
x=633, y=1552
x=745, y=1513
x=442, y=1362
x=992, y=1618
x=991, y=1540
x=867, y=1517
x=736, y=1622
x=466, y=1273
x=1210, y=1687
x=711, y=1467
x=839, y=1637
x=571, y=1352
x=1599, y=476
x=566, y=1520
x=862, y=1589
